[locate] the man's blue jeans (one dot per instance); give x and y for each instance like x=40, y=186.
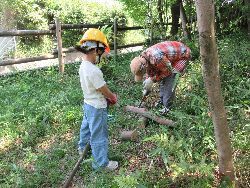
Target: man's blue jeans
x=94, y=129
x=166, y=94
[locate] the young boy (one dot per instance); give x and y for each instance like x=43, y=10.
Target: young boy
x=94, y=127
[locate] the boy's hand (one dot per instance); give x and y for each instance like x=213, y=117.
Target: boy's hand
x=112, y=100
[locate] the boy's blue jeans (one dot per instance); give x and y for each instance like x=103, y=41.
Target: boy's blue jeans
x=94, y=129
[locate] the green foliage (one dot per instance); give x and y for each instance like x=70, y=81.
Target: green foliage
x=230, y=63
x=32, y=14
x=178, y=158
x=146, y=13
x=78, y=11
x=232, y=16
x=138, y=13
x=107, y=30
x=28, y=14
x=229, y=17
x=193, y=45
x=126, y=181
x=33, y=46
x=32, y=124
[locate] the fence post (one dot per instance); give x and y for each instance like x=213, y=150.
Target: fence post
x=115, y=38
x=59, y=45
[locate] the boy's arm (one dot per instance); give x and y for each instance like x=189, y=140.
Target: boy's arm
x=106, y=92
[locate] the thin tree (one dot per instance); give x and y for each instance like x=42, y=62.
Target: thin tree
x=247, y=4
x=210, y=66
x=160, y=11
x=175, y=12
x=183, y=17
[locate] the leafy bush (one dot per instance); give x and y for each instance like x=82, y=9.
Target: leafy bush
x=32, y=14
x=126, y=181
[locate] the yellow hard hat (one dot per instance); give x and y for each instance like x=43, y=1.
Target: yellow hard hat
x=94, y=34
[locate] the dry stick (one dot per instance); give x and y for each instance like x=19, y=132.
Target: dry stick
x=143, y=112
x=66, y=185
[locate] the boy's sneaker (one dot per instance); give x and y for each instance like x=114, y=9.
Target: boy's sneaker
x=164, y=111
x=112, y=165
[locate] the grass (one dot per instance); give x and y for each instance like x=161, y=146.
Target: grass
x=41, y=113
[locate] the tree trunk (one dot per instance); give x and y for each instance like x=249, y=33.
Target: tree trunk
x=210, y=65
x=175, y=12
x=160, y=11
x=7, y=22
x=184, y=22
x=247, y=4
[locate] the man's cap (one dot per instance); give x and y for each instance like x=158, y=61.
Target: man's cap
x=136, y=67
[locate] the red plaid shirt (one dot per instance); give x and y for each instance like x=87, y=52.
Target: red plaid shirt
x=159, y=55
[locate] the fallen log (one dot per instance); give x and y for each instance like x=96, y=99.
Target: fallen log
x=143, y=112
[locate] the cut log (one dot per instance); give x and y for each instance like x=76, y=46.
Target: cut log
x=143, y=122
x=129, y=135
x=143, y=112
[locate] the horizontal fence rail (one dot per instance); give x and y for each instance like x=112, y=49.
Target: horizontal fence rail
x=27, y=59
x=56, y=29
x=78, y=26
x=81, y=26
x=129, y=28
x=26, y=32
x=72, y=49
x=131, y=45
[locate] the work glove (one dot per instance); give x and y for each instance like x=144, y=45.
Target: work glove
x=112, y=100
x=169, y=66
x=175, y=71
x=145, y=92
x=147, y=84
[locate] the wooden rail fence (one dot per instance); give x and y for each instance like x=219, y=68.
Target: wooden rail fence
x=56, y=29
